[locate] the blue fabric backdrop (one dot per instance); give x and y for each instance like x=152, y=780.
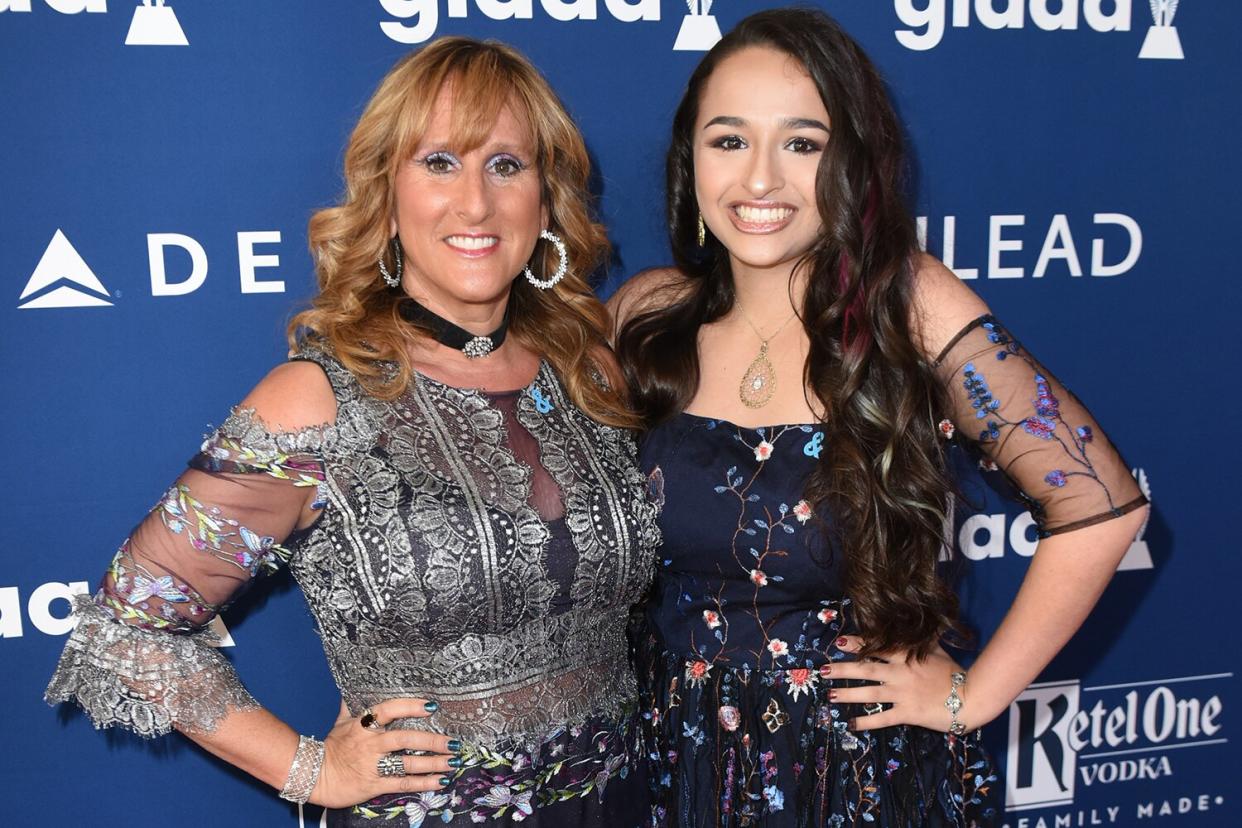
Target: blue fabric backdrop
x=1074, y=161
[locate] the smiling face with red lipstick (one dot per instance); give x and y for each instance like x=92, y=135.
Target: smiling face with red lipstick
x=468, y=221
x=761, y=131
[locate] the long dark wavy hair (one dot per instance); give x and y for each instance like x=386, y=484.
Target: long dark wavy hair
x=883, y=479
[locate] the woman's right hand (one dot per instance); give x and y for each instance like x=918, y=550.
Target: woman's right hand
x=350, y=772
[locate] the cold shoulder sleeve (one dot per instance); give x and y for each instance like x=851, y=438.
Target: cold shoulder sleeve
x=1032, y=427
x=141, y=655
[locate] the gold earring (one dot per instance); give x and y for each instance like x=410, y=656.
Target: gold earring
x=702, y=231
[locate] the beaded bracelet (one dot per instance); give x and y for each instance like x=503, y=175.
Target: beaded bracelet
x=304, y=772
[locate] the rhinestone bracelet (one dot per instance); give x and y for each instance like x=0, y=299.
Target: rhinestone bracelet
x=954, y=703
x=304, y=772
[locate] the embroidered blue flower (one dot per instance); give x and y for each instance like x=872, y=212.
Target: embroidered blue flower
x=1040, y=427
x=1056, y=477
x=1085, y=434
x=1046, y=403
x=776, y=799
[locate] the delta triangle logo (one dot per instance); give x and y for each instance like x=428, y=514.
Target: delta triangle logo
x=63, y=279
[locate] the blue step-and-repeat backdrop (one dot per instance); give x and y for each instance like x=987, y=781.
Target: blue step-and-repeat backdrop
x=1076, y=160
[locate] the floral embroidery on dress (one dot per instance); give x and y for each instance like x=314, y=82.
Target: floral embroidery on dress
x=497, y=784
x=737, y=713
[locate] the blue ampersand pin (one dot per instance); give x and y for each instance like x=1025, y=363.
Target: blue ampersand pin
x=542, y=404
x=815, y=445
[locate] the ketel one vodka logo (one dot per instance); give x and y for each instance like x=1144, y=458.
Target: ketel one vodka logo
x=1062, y=735
x=699, y=30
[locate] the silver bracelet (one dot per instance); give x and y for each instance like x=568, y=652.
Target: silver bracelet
x=304, y=772
x=954, y=703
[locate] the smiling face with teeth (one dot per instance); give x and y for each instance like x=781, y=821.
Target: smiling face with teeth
x=761, y=131
x=468, y=221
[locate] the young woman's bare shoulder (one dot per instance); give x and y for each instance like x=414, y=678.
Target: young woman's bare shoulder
x=644, y=291
x=292, y=396
x=942, y=305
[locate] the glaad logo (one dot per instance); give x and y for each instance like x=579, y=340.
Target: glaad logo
x=425, y=14
x=63, y=279
x=928, y=20
x=1054, y=728
x=984, y=536
x=62, y=6
x=699, y=31
x=1162, y=42
x=39, y=610
x=1138, y=556
x=155, y=24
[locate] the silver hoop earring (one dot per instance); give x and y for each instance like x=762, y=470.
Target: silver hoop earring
x=561, y=269
x=392, y=279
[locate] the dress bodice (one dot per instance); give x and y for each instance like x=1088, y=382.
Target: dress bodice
x=432, y=572
x=744, y=577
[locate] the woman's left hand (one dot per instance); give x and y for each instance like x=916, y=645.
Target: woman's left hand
x=913, y=691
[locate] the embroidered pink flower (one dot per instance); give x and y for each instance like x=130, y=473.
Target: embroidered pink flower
x=777, y=647
x=802, y=511
x=946, y=428
x=763, y=451
x=729, y=717
x=827, y=616
x=800, y=681
x=711, y=618
x=697, y=672
x=758, y=578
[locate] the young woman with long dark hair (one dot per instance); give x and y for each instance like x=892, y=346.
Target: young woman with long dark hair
x=799, y=371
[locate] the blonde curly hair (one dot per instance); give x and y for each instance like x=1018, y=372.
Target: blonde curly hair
x=356, y=315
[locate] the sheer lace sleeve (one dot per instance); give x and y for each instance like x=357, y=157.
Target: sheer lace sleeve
x=1032, y=427
x=141, y=656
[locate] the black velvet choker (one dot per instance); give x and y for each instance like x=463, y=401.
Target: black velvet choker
x=454, y=336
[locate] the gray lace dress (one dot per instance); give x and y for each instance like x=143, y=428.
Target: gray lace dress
x=479, y=549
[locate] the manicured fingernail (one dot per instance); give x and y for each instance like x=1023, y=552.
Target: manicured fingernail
x=825, y=670
x=454, y=762
x=843, y=642
x=454, y=746
x=832, y=695
x=431, y=707
x=445, y=781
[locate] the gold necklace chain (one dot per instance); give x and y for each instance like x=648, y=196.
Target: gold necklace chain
x=762, y=338
x=758, y=383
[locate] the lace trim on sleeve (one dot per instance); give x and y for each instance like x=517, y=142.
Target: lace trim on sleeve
x=144, y=681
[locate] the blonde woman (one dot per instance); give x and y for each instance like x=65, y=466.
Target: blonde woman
x=445, y=467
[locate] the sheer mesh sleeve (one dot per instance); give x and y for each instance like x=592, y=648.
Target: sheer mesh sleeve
x=141, y=656
x=1032, y=427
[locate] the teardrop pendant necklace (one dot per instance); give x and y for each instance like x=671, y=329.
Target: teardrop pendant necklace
x=759, y=382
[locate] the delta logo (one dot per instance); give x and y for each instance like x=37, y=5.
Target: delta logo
x=63, y=279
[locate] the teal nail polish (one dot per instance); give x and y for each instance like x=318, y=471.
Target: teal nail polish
x=454, y=746
x=455, y=762
x=431, y=707
x=445, y=781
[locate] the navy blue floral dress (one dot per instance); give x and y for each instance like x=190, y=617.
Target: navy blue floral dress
x=748, y=602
